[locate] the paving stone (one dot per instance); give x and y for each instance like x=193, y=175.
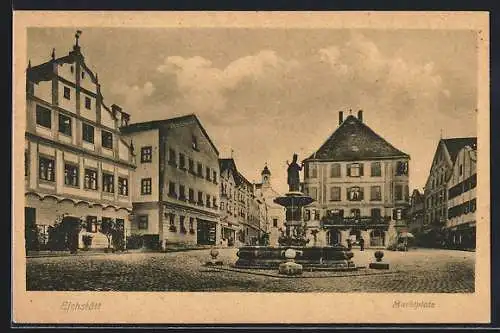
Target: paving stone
x=419, y=270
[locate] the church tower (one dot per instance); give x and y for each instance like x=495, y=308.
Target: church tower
x=266, y=176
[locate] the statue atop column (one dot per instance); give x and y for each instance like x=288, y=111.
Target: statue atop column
x=293, y=175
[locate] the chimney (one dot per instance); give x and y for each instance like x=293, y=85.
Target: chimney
x=360, y=115
x=341, y=117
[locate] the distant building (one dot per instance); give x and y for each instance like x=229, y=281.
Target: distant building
x=78, y=166
x=176, y=183
x=436, y=187
x=238, y=208
x=273, y=213
x=462, y=204
x=359, y=183
x=416, y=212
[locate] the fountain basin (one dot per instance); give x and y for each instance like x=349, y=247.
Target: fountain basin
x=261, y=257
x=294, y=199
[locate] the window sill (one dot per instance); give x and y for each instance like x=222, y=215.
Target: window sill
x=123, y=196
x=108, y=148
x=66, y=134
x=43, y=127
x=108, y=193
x=146, y=161
x=72, y=186
x=90, y=189
x=46, y=181
x=145, y=193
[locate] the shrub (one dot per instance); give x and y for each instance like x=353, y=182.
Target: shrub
x=87, y=241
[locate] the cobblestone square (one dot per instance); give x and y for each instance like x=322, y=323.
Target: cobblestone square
x=418, y=270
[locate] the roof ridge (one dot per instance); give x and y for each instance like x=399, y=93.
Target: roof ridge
x=335, y=146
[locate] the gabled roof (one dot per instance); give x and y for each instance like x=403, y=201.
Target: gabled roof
x=229, y=163
x=44, y=72
x=158, y=124
x=353, y=140
x=454, y=145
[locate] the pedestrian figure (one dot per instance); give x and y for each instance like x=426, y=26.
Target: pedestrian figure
x=349, y=244
x=361, y=244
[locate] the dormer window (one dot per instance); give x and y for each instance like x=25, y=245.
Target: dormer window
x=72, y=69
x=194, y=142
x=83, y=74
x=107, y=139
x=67, y=93
x=88, y=103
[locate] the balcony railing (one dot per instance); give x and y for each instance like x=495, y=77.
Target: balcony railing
x=359, y=220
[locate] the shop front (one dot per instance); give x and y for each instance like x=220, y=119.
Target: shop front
x=206, y=232
x=228, y=235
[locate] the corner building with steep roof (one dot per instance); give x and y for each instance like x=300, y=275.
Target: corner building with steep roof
x=176, y=183
x=359, y=182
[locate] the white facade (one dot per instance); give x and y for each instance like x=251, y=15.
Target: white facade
x=462, y=204
x=77, y=164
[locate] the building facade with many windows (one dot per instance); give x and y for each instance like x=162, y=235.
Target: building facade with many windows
x=436, y=187
x=358, y=182
x=176, y=183
x=239, y=210
x=78, y=166
x=462, y=204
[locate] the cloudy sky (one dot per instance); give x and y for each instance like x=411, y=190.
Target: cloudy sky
x=267, y=93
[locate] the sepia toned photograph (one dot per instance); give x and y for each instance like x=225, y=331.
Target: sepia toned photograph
x=253, y=160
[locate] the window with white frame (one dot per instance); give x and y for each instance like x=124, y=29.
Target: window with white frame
x=46, y=169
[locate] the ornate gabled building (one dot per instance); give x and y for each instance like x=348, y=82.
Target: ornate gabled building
x=176, y=183
x=359, y=182
x=436, y=187
x=78, y=166
x=271, y=213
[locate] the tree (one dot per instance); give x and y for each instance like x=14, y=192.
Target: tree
x=63, y=234
x=110, y=228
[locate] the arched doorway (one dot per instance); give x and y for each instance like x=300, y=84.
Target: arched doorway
x=377, y=238
x=333, y=237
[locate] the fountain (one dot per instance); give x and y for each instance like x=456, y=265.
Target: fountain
x=336, y=257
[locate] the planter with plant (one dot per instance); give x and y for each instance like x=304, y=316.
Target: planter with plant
x=87, y=242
